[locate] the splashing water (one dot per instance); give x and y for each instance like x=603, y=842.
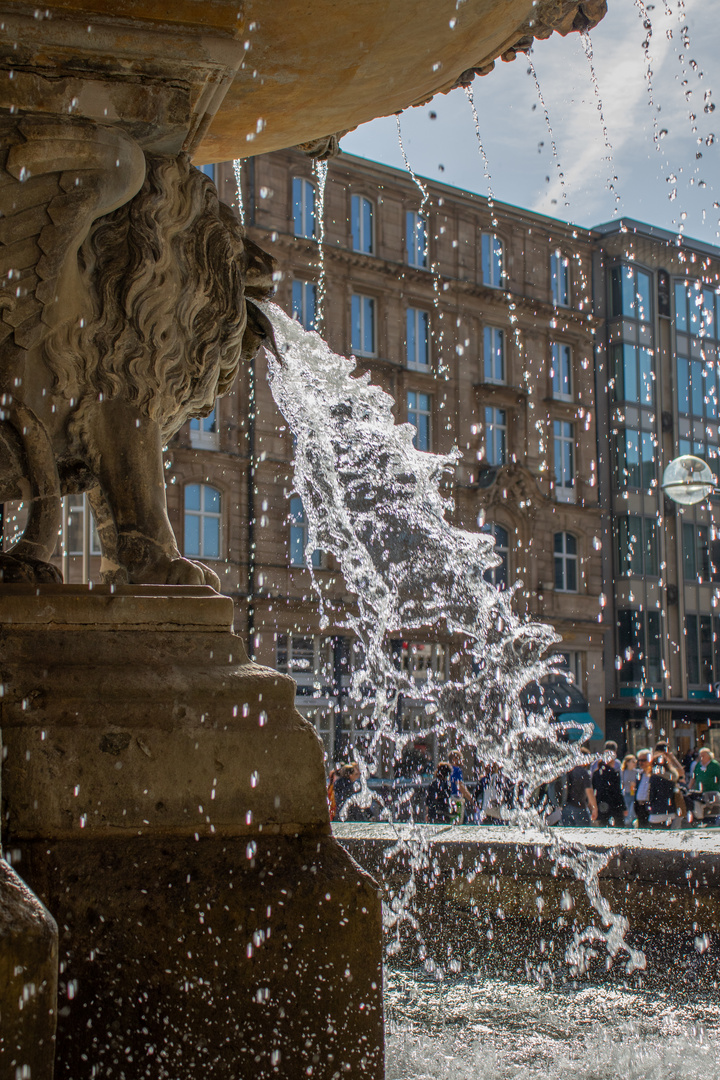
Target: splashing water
x=556, y=156
x=375, y=503
x=588, y=50
x=490, y=1029
x=320, y=169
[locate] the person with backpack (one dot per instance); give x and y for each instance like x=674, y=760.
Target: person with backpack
x=607, y=786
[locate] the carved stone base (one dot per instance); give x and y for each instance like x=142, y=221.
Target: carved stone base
x=167, y=803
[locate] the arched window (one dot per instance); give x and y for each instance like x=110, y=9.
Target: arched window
x=203, y=513
x=299, y=534
x=566, y=560
x=498, y=575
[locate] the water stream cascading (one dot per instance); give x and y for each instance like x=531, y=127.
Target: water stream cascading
x=377, y=505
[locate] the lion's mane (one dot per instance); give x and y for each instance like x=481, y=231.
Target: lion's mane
x=164, y=304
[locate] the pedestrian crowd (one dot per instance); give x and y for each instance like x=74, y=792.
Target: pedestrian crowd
x=651, y=789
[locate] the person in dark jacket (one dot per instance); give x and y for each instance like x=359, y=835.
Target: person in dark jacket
x=346, y=777
x=661, y=792
x=607, y=786
x=438, y=798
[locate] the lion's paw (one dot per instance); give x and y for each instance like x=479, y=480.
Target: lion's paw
x=187, y=572
x=22, y=568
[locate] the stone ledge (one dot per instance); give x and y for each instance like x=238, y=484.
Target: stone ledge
x=641, y=855
x=121, y=607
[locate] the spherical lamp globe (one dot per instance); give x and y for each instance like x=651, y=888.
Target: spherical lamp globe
x=688, y=480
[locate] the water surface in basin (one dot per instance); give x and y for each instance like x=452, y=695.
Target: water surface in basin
x=493, y=1029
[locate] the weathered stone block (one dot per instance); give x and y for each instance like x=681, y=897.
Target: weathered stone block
x=28, y=981
x=167, y=802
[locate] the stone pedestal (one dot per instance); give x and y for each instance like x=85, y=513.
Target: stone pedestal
x=167, y=803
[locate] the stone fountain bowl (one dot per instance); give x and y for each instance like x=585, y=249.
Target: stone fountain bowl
x=317, y=67
x=224, y=79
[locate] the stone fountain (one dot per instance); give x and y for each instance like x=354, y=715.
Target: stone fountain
x=190, y=913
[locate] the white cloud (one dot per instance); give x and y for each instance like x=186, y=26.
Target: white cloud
x=518, y=144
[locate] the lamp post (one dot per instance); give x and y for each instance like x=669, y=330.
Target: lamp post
x=688, y=480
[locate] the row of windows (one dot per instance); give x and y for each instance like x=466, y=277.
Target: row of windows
x=417, y=338
x=638, y=554
x=640, y=649
x=362, y=228
x=496, y=450
x=565, y=559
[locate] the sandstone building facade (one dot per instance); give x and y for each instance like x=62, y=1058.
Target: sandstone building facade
x=568, y=365
x=478, y=320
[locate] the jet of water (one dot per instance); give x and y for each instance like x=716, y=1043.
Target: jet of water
x=377, y=505
x=320, y=169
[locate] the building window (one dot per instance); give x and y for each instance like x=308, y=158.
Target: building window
x=303, y=207
x=564, y=460
x=493, y=262
x=637, y=546
x=416, y=246
x=363, y=324
x=202, y=521
x=495, y=436
x=630, y=293
x=498, y=575
x=418, y=338
x=560, y=279
x=304, y=299
x=572, y=667
x=702, y=636
x=566, y=562
x=494, y=354
x=634, y=375
x=696, y=309
x=697, y=388
x=561, y=371
x=419, y=407
x=639, y=658
x=636, y=459
x=423, y=660
x=299, y=535
x=209, y=171
x=361, y=220
x=701, y=554
x=304, y=658
x=78, y=527
x=204, y=434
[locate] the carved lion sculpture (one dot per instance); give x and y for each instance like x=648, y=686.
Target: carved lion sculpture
x=125, y=309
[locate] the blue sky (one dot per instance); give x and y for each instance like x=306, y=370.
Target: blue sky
x=655, y=147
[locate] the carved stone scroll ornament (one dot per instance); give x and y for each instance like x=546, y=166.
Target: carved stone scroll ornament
x=126, y=294
x=550, y=16
x=512, y=485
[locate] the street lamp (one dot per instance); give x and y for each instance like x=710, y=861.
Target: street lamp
x=688, y=480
